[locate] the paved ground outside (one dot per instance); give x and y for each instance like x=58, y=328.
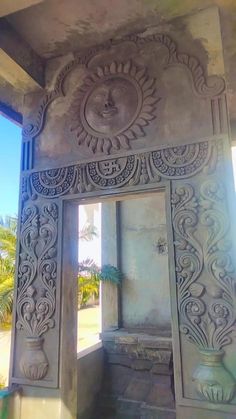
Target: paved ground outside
x=88, y=327
x=88, y=334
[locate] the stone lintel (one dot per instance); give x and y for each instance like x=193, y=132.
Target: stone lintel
x=19, y=64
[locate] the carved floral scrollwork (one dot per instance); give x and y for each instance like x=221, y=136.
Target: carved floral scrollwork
x=189, y=262
x=207, y=312
x=36, y=284
x=203, y=85
x=214, y=217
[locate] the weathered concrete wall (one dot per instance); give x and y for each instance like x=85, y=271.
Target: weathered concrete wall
x=145, y=288
x=109, y=256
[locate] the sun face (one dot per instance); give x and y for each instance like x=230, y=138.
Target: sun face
x=113, y=106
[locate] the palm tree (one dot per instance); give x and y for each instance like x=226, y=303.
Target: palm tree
x=7, y=266
x=89, y=274
x=89, y=277
x=88, y=232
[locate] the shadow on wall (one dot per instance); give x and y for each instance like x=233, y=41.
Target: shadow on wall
x=90, y=375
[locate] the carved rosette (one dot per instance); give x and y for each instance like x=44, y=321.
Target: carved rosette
x=113, y=107
x=206, y=310
x=36, y=293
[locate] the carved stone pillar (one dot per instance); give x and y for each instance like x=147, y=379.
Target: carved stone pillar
x=42, y=260
x=205, y=280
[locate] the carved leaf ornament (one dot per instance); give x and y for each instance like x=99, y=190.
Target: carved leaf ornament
x=36, y=293
x=206, y=322
x=208, y=325
x=113, y=107
x=36, y=300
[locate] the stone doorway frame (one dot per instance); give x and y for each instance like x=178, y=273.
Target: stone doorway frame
x=68, y=338
x=49, y=195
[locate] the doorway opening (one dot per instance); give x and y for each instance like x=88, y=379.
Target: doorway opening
x=136, y=330
x=89, y=308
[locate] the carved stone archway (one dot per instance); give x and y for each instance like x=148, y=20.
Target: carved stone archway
x=197, y=176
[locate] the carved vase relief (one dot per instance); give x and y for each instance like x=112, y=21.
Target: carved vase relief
x=36, y=287
x=207, y=310
x=213, y=381
x=114, y=105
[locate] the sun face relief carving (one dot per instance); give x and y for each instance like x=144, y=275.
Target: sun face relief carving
x=113, y=107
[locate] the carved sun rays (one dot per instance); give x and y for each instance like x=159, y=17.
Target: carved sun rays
x=126, y=121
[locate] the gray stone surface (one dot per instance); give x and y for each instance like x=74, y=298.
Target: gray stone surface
x=82, y=142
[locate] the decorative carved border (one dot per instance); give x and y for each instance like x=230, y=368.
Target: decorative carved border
x=36, y=291
x=203, y=85
x=206, y=306
x=177, y=162
x=206, y=303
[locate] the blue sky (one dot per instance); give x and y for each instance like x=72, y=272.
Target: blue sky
x=10, y=139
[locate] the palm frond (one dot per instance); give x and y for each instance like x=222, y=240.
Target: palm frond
x=88, y=232
x=6, y=302
x=7, y=265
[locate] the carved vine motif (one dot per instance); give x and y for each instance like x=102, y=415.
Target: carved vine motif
x=189, y=263
x=207, y=312
x=214, y=217
x=170, y=163
x=203, y=85
x=36, y=284
x=209, y=326
x=113, y=106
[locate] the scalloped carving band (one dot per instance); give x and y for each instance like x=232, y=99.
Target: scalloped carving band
x=170, y=163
